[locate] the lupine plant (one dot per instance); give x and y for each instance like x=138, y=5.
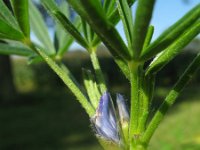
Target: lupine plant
x=116, y=124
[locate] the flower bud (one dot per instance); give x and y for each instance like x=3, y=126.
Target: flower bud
x=122, y=109
x=112, y=133
x=124, y=118
x=104, y=121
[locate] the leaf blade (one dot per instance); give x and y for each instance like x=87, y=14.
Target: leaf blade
x=143, y=16
x=170, y=52
x=109, y=6
x=121, y=62
x=126, y=17
x=21, y=12
x=8, y=32
x=170, y=34
x=64, y=21
x=6, y=49
x=40, y=29
x=7, y=15
x=106, y=31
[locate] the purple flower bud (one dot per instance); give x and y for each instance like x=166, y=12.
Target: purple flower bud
x=104, y=121
x=122, y=109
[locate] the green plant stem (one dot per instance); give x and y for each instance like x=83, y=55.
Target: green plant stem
x=134, y=111
x=105, y=30
x=96, y=18
x=144, y=103
x=114, y=18
x=98, y=71
x=67, y=80
x=139, y=147
x=67, y=71
x=147, y=91
x=170, y=99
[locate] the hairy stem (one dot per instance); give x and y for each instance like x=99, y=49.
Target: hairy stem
x=134, y=111
x=98, y=71
x=65, y=77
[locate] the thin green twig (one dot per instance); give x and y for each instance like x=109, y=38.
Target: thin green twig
x=65, y=77
x=98, y=71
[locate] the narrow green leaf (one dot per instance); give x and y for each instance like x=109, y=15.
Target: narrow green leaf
x=106, y=4
x=123, y=67
x=171, y=98
x=126, y=16
x=64, y=8
x=40, y=29
x=109, y=6
x=111, y=34
x=106, y=31
x=21, y=12
x=8, y=32
x=64, y=41
x=91, y=35
x=148, y=38
x=68, y=42
x=142, y=20
x=50, y=5
x=95, y=40
x=35, y=59
x=88, y=33
x=64, y=38
x=71, y=29
x=84, y=28
x=64, y=21
x=6, y=15
x=91, y=85
x=170, y=52
x=173, y=32
x=114, y=17
x=7, y=49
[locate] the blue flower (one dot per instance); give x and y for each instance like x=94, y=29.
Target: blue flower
x=122, y=109
x=105, y=121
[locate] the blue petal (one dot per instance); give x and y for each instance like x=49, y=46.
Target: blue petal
x=122, y=108
x=104, y=120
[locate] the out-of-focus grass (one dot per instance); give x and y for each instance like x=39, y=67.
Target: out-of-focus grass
x=180, y=130
x=23, y=75
x=45, y=121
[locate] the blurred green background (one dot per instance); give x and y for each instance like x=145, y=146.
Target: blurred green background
x=40, y=113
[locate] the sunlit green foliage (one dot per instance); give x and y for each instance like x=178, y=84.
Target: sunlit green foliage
x=94, y=23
